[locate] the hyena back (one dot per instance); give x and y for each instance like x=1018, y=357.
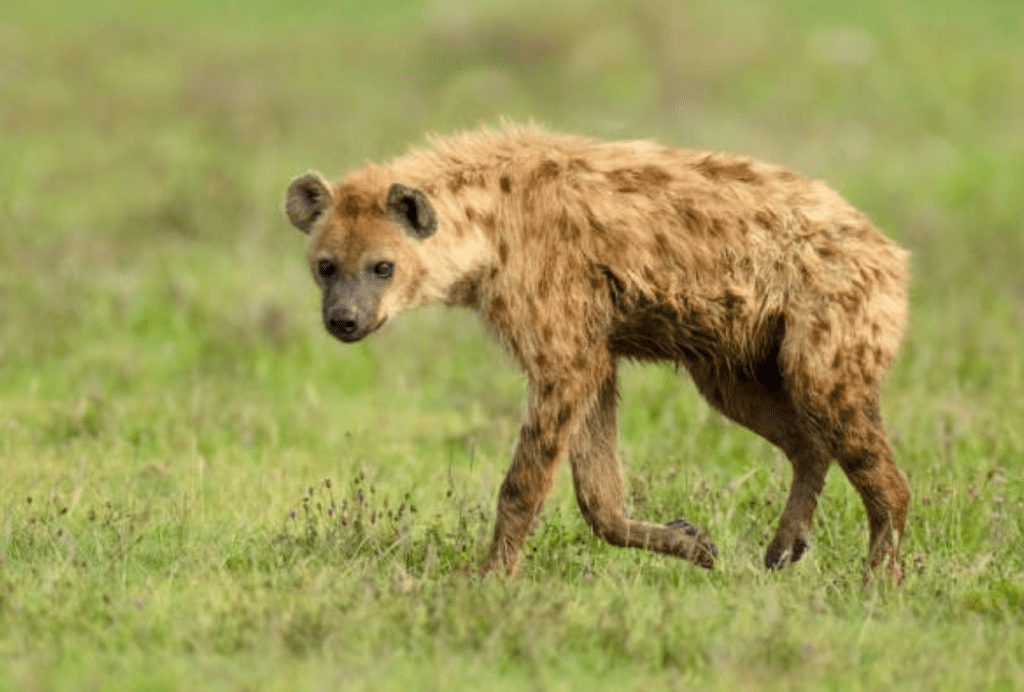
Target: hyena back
x=784, y=304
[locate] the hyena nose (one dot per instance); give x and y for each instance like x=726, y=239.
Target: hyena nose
x=341, y=323
x=340, y=326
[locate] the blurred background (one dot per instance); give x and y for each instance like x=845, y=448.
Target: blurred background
x=155, y=306
x=176, y=426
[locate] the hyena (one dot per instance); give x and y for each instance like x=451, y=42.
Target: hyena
x=784, y=304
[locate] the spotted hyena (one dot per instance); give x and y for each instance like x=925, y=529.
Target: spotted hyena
x=784, y=303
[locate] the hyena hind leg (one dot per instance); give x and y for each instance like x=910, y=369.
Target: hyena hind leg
x=847, y=412
x=766, y=409
x=862, y=450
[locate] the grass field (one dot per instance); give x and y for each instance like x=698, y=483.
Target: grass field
x=200, y=489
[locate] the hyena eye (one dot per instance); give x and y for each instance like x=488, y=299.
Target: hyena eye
x=384, y=270
x=326, y=268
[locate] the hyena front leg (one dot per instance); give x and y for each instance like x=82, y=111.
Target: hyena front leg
x=559, y=398
x=597, y=476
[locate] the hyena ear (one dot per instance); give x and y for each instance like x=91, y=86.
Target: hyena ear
x=410, y=209
x=309, y=196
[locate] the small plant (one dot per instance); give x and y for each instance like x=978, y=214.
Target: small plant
x=359, y=523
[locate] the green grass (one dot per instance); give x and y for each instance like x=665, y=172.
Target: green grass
x=200, y=489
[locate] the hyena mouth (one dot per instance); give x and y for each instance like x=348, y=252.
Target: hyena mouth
x=354, y=335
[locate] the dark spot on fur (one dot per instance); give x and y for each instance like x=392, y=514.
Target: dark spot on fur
x=548, y=169
x=663, y=248
x=719, y=169
x=819, y=331
x=566, y=228
x=628, y=180
x=530, y=433
x=350, y=206
x=846, y=415
x=623, y=180
x=546, y=390
x=579, y=362
x=549, y=452
x=489, y=221
x=497, y=306
x=356, y=204
x=861, y=356
x=837, y=394
x=837, y=362
x=471, y=213
x=653, y=176
x=768, y=220
x=696, y=221
x=547, y=333
x=544, y=288
x=879, y=356
x=827, y=253
x=510, y=491
x=541, y=361
x=463, y=179
x=731, y=302
x=506, y=184
x=562, y=418
x=503, y=252
x=464, y=291
x=580, y=165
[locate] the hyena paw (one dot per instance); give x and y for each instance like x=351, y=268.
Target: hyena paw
x=782, y=552
x=703, y=552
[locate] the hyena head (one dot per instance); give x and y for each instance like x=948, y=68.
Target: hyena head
x=364, y=250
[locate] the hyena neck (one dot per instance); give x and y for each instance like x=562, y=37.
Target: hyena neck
x=462, y=254
x=459, y=259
